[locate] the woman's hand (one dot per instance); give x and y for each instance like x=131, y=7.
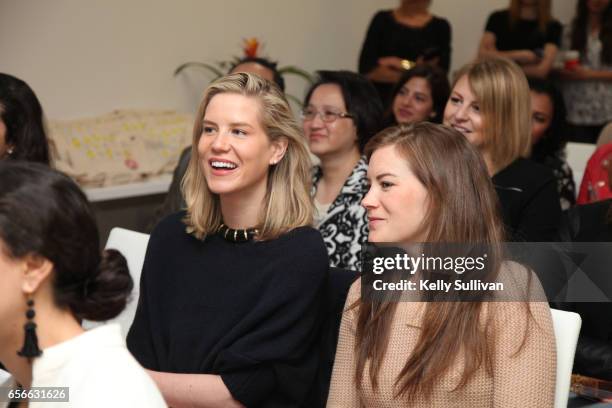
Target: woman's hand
x=576, y=74
x=193, y=390
x=488, y=48
x=388, y=70
x=581, y=73
x=391, y=62
x=524, y=57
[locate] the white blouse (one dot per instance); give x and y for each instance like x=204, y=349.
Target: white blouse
x=99, y=371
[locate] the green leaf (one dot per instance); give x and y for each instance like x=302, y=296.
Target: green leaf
x=294, y=99
x=208, y=67
x=293, y=70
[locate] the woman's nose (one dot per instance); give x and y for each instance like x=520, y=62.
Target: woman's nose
x=368, y=200
x=407, y=101
x=317, y=120
x=221, y=142
x=461, y=113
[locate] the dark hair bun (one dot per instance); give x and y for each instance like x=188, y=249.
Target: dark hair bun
x=106, y=295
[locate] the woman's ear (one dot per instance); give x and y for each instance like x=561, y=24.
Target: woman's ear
x=433, y=114
x=279, y=147
x=37, y=270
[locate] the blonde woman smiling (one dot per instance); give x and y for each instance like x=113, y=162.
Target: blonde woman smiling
x=490, y=105
x=230, y=293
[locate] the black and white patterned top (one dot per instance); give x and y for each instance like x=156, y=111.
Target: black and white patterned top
x=565, y=179
x=588, y=102
x=345, y=225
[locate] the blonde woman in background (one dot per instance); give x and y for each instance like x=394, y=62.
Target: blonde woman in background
x=490, y=105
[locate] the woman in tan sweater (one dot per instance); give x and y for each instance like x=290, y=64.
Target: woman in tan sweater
x=428, y=184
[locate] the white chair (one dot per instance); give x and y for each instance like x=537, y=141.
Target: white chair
x=567, y=327
x=133, y=246
x=578, y=155
x=5, y=378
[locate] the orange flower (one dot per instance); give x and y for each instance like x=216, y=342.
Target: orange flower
x=250, y=46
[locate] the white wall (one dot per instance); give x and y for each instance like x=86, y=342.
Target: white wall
x=87, y=57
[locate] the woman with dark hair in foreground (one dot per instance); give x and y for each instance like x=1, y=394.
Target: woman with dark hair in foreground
x=53, y=276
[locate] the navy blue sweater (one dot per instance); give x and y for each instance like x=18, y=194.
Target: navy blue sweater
x=249, y=312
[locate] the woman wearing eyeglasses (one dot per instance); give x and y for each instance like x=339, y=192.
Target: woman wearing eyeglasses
x=341, y=112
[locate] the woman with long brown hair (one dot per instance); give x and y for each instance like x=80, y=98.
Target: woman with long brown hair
x=444, y=353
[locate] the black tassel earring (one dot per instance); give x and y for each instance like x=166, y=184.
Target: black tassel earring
x=30, y=342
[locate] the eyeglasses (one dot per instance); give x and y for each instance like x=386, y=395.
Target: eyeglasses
x=327, y=116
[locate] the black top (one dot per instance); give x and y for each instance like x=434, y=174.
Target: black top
x=249, y=312
x=592, y=223
x=387, y=37
x=564, y=176
x=529, y=201
x=523, y=34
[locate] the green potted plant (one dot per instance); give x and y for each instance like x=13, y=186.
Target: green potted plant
x=250, y=48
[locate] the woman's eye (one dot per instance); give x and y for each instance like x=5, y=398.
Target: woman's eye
x=476, y=108
x=208, y=129
x=455, y=100
x=385, y=185
x=239, y=132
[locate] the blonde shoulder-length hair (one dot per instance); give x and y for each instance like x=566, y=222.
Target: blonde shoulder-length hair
x=502, y=92
x=287, y=203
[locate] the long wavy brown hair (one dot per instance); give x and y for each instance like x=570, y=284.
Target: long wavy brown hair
x=463, y=208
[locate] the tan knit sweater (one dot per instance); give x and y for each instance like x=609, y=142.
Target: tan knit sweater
x=526, y=379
